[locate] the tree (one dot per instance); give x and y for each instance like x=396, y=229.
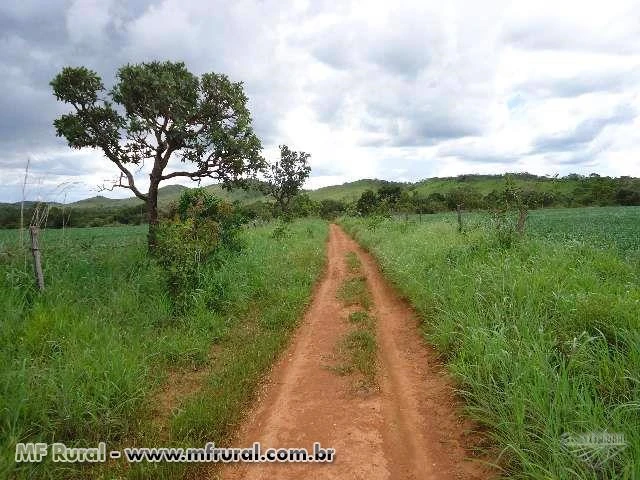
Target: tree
x=303, y=206
x=465, y=195
x=285, y=178
x=367, y=203
x=406, y=203
x=158, y=110
x=329, y=208
x=390, y=193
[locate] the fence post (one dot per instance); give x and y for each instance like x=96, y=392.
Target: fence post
x=35, y=249
x=459, y=209
x=522, y=218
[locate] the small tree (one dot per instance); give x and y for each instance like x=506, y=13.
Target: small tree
x=303, y=206
x=406, y=203
x=389, y=193
x=367, y=203
x=159, y=110
x=285, y=178
x=510, y=200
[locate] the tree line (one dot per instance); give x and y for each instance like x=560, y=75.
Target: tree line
x=570, y=191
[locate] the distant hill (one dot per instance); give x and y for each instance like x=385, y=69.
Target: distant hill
x=165, y=195
x=347, y=192
x=488, y=183
x=569, y=186
x=27, y=204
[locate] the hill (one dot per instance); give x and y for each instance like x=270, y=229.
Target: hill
x=485, y=184
x=347, y=192
x=166, y=195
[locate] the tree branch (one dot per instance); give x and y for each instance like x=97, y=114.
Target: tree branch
x=207, y=169
x=126, y=173
x=201, y=173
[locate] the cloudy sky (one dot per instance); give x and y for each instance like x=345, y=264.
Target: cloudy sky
x=399, y=90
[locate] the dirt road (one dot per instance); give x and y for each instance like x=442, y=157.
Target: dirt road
x=406, y=429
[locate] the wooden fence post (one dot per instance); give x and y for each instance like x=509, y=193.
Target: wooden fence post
x=522, y=218
x=35, y=249
x=459, y=209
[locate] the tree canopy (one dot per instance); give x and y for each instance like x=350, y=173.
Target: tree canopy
x=284, y=178
x=156, y=112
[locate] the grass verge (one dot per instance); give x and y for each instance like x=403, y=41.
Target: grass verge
x=541, y=335
x=83, y=362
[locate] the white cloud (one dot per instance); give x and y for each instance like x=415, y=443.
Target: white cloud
x=401, y=90
x=87, y=20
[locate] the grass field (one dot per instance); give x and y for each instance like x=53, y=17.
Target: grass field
x=542, y=336
x=86, y=360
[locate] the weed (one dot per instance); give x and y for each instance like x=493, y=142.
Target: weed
x=362, y=347
x=356, y=353
x=353, y=262
x=358, y=348
x=360, y=317
x=354, y=292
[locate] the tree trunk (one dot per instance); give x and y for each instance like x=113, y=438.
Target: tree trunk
x=152, y=214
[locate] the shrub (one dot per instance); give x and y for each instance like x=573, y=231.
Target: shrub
x=201, y=228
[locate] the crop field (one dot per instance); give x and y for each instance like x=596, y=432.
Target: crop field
x=613, y=227
x=90, y=359
x=541, y=333
x=607, y=227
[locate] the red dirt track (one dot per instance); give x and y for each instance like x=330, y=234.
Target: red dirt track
x=409, y=428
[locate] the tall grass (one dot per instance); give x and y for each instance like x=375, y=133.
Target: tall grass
x=543, y=337
x=81, y=362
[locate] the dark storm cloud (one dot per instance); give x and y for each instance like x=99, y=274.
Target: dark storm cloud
x=483, y=156
x=581, y=159
x=63, y=162
x=583, y=133
x=404, y=48
x=476, y=150
x=37, y=40
x=427, y=128
x=391, y=80
x=337, y=46
x=403, y=45
x=332, y=52
x=40, y=24
x=26, y=115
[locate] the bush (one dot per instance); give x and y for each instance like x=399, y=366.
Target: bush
x=203, y=226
